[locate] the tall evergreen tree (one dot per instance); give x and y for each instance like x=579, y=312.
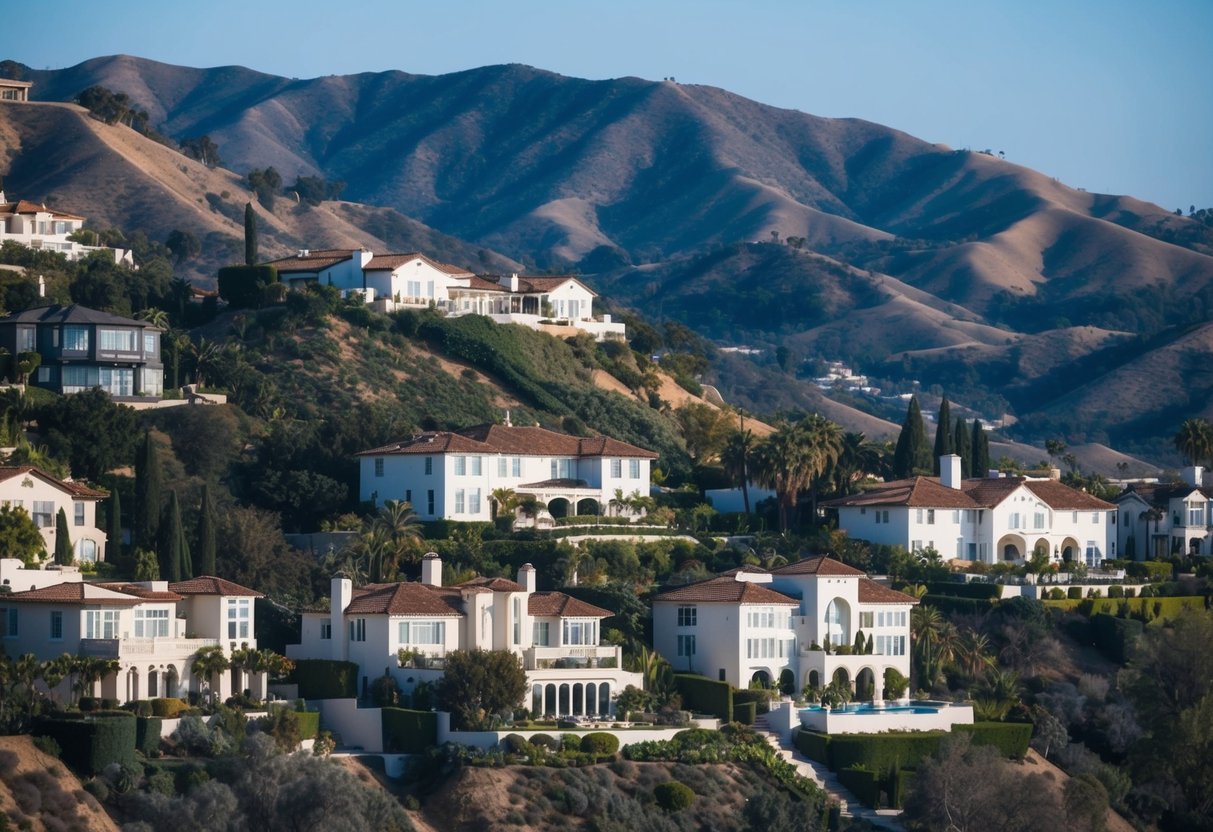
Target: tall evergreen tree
x=912, y=452
x=943, y=433
x=148, y=485
x=981, y=450
x=113, y=541
x=63, y=540
x=250, y=235
x=171, y=540
x=206, y=534
x=962, y=445
x=187, y=561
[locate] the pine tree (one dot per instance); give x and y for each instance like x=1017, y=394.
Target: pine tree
x=912, y=452
x=943, y=434
x=963, y=447
x=63, y=541
x=148, y=485
x=981, y=450
x=250, y=235
x=170, y=544
x=206, y=534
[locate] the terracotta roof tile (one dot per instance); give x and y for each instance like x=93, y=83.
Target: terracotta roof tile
x=24, y=206
x=980, y=492
x=389, y=262
x=76, y=489
x=210, y=585
x=142, y=592
x=493, y=584
x=75, y=593
x=871, y=592
x=315, y=260
x=500, y=439
x=405, y=598
x=726, y=590
x=820, y=565
x=559, y=605
x=1064, y=498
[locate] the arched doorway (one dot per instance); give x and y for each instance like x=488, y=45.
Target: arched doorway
x=537, y=701
x=841, y=677
x=813, y=680
x=762, y=678
x=1042, y=545
x=787, y=681
x=153, y=683
x=1011, y=548
x=865, y=685
x=838, y=622
x=588, y=507
x=559, y=507
x=171, y=682
x=549, y=700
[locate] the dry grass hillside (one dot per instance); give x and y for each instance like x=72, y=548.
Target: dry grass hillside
x=39, y=793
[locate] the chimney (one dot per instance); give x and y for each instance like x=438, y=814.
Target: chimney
x=949, y=471
x=339, y=598
x=1193, y=475
x=507, y=419
x=993, y=474
x=510, y=282
x=431, y=569
x=303, y=252
x=526, y=577
x=41, y=279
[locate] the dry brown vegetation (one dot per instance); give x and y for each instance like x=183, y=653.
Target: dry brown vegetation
x=38, y=788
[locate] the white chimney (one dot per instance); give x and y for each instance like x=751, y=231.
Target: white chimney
x=41, y=279
x=513, y=282
x=993, y=474
x=507, y=419
x=526, y=577
x=1193, y=475
x=340, y=595
x=303, y=252
x=949, y=471
x=431, y=569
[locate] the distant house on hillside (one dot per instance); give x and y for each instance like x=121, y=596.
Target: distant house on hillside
x=452, y=474
x=41, y=496
x=83, y=348
x=1159, y=520
x=414, y=281
x=988, y=519
x=13, y=90
x=38, y=227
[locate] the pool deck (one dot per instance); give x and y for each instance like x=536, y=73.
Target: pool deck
x=941, y=717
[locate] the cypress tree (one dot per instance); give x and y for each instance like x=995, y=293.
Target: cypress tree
x=148, y=485
x=187, y=561
x=943, y=433
x=250, y=235
x=113, y=540
x=63, y=541
x=912, y=452
x=206, y=534
x=170, y=545
x=981, y=450
x=963, y=446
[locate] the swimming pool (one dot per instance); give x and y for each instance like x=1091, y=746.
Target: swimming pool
x=869, y=708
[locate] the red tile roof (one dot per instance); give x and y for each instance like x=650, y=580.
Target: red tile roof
x=75, y=593
x=1063, y=498
x=389, y=262
x=143, y=592
x=559, y=605
x=500, y=439
x=313, y=261
x=493, y=584
x=526, y=285
x=726, y=590
x=820, y=565
x=76, y=489
x=210, y=585
x=24, y=206
x=871, y=592
x=983, y=492
x=405, y=598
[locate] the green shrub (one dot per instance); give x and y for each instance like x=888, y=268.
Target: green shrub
x=1115, y=636
x=953, y=604
x=409, y=732
x=1154, y=571
x=814, y=745
x=1130, y=592
x=706, y=695
x=881, y=752
x=600, y=744
x=168, y=708
x=1116, y=591
x=1074, y=592
x=309, y=724
x=957, y=589
x=516, y=744
x=1057, y=594
x=545, y=741
x=242, y=286
x=47, y=745
x=1010, y=738
x=161, y=782
x=325, y=679
x=673, y=796
x=902, y=782
x=90, y=743
x=147, y=734
x=745, y=712
x=863, y=782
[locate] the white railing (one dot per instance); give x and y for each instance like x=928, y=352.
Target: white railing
x=114, y=648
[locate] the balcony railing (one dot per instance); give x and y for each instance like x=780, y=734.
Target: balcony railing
x=120, y=648
x=601, y=655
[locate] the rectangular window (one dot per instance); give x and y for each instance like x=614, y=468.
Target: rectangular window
x=918, y=516
x=422, y=632
x=930, y=517
x=865, y=619
x=238, y=611
x=1095, y=517
x=461, y=465
x=915, y=545
x=429, y=465
x=75, y=338
x=379, y=466
x=540, y=633
x=517, y=469
x=115, y=340
x=634, y=469
x=117, y=381
x=326, y=630
x=44, y=514
x=459, y=495
x=25, y=339
x=617, y=468
x=877, y=513
x=686, y=645
x=408, y=496
x=885, y=514
x=956, y=516
x=687, y=616
x=358, y=629
x=151, y=623
x=10, y=623
x=101, y=623
x=474, y=501
x=78, y=513
x=502, y=464
x=578, y=631
x=475, y=466
x=56, y=625
x=429, y=501
x=149, y=344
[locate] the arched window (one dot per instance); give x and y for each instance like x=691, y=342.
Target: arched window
x=86, y=551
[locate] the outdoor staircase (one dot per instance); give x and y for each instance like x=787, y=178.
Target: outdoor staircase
x=850, y=805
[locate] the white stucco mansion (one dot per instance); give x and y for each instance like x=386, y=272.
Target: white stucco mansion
x=988, y=519
x=556, y=637
x=36, y=226
x=1159, y=520
x=452, y=475
x=41, y=496
x=753, y=625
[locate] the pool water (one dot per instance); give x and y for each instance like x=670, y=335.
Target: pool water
x=868, y=708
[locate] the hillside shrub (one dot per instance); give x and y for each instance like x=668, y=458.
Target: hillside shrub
x=409, y=732
x=1010, y=738
x=1155, y=571
x=546, y=741
x=863, y=782
x=147, y=735
x=1116, y=591
x=168, y=708
x=90, y=743
x=516, y=744
x=958, y=589
x=1115, y=636
x=705, y=695
x=1074, y=592
x=242, y=286
x=814, y=745
x=673, y=796
x=600, y=744
x=325, y=679
x=1056, y=594
x=309, y=724
x=745, y=712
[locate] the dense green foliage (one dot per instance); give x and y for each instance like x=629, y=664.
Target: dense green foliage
x=409, y=732
x=244, y=286
x=325, y=679
x=912, y=454
x=481, y=686
x=63, y=541
x=90, y=743
x=147, y=734
x=673, y=796
x=705, y=695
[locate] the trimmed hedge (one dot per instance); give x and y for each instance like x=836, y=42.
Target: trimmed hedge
x=957, y=589
x=325, y=679
x=705, y=695
x=881, y=752
x=1010, y=738
x=673, y=796
x=864, y=783
x=814, y=745
x=309, y=724
x=1155, y=571
x=600, y=744
x=1115, y=636
x=954, y=604
x=168, y=708
x=409, y=732
x=902, y=782
x=761, y=698
x=147, y=734
x=241, y=286
x=745, y=712
x=90, y=743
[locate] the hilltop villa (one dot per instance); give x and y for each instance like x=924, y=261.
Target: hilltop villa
x=41, y=496
x=452, y=475
x=751, y=625
x=1158, y=520
x=990, y=519
x=414, y=281
x=36, y=226
x=556, y=637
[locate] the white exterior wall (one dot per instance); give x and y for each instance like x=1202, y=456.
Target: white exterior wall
x=17, y=578
x=23, y=491
x=416, y=283
x=571, y=300
x=344, y=275
x=718, y=643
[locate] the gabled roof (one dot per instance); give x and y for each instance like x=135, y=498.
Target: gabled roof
x=405, y=598
x=871, y=592
x=726, y=589
x=1063, y=498
x=503, y=439
x=390, y=262
x=76, y=489
x=210, y=585
x=314, y=261
x=72, y=314
x=526, y=285
x=142, y=592
x=819, y=565
x=979, y=492
x=493, y=584
x=1161, y=494
x=75, y=593
x=559, y=605
x=24, y=206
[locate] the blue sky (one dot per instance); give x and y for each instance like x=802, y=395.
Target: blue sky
x=1114, y=96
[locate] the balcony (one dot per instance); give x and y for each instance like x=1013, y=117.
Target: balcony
x=543, y=658
x=126, y=648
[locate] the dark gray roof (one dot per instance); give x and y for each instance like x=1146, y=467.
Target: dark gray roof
x=73, y=314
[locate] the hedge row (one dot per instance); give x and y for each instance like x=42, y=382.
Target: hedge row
x=147, y=734
x=864, y=783
x=325, y=679
x=958, y=589
x=409, y=732
x=169, y=708
x=1010, y=738
x=1161, y=607
x=1115, y=636
x=745, y=712
x=707, y=696
x=90, y=743
x=903, y=780
x=953, y=604
x=309, y=724
x=897, y=750
x=814, y=745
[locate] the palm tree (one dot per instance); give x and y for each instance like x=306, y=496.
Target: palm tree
x=823, y=439
x=206, y=354
x=54, y=671
x=90, y=670
x=505, y=502
x=735, y=458
x=153, y=316
x=857, y=458
x=618, y=502
x=972, y=654
x=402, y=527
x=208, y=663
x=934, y=639
x=1195, y=440
x=780, y=462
